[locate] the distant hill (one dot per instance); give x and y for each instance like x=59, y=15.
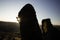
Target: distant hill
x=9, y=27
x=55, y=26
x=13, y=27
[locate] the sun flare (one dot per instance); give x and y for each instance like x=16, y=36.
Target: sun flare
x=12, y=19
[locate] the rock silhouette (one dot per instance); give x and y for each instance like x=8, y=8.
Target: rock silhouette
x=49, y=32
x=29, y=26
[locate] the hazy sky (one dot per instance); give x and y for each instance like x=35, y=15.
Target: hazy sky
x=44, y=9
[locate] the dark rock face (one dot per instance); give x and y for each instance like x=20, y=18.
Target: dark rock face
x=51, y=32
x=29, y=26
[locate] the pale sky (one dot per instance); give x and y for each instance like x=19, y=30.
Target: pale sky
x=44, y=9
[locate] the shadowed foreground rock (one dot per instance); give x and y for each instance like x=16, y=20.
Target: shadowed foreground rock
x=49, y=32
x=29, y=26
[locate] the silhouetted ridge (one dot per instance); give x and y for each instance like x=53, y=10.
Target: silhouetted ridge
x=9, y=26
